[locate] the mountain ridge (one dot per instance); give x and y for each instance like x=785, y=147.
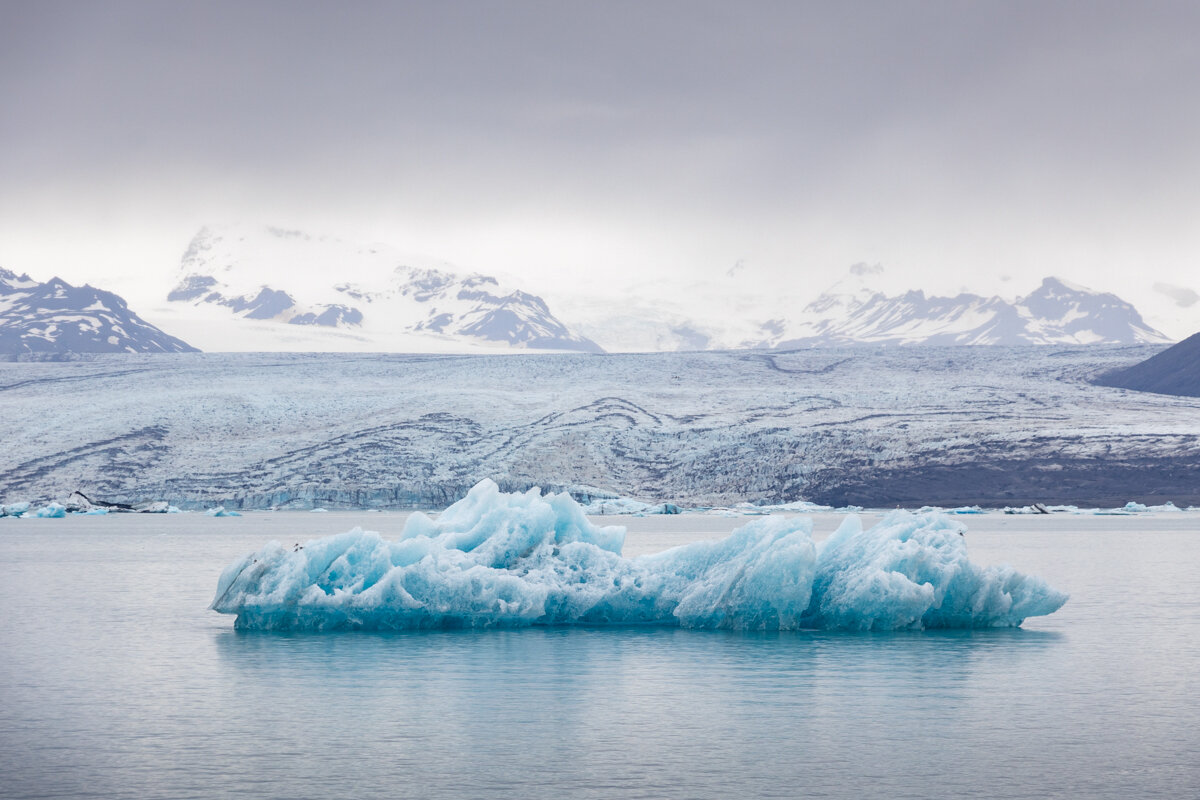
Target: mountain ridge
x=371, y=291
x=55, y=317
x=1055, y=313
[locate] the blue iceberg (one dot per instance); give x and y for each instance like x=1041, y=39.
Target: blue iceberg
x=221, y=511
x=15, y=509
x=51, y=511
x=503, y=560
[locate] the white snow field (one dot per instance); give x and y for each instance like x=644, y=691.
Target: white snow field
x=866, y=426
x=497, y=559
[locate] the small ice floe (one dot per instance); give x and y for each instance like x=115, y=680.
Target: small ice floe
x=221, y=511
x=797, y=506
x=80, y=503
x=15, y=509
x=966, y=510
x=318, y=510
x=1130, y=508
x=628, y=506
x=720, y=511
x=51, y=511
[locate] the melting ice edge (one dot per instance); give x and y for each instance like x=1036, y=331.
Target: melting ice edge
x=508, y=560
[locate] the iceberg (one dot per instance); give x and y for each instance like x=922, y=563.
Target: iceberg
x=221, y=511
x=1130, y=508
x=15, y=509
x=51, y=511
x=496, y=559
x=629, y=506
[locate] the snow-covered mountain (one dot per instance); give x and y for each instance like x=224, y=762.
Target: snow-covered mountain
x=1057, y=312
x=56, y=317
x=347, y=296
x=264, y=288
x=855, y=310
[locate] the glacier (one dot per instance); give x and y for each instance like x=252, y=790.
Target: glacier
x=497, y=559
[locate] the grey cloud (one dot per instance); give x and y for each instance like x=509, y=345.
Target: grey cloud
x=911, y=115
x=1183, y=297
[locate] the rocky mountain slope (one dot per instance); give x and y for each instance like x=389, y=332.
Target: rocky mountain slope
x=56, y=317
x=1175, y=370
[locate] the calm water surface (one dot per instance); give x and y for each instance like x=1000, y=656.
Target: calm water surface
x=115, y=681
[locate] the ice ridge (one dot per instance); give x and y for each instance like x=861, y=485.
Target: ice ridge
x=504, y=560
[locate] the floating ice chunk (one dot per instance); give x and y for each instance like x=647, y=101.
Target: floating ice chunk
x=1129, y=508
x=496, y=559
x=51, y=511
x=752, y=510
x=720, y=511
x=911, y=571
x=967, y=510
x=94, y=512
x=16, y=509
x=801, y=506
x=1167, y=507
x=221, y=511
x=318, y=510
x=627, y=505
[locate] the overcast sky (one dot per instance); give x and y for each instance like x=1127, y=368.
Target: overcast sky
x=954, y=143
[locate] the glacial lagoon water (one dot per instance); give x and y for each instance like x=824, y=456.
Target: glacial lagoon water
x=116, y=681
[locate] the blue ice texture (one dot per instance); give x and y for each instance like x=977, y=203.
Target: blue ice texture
x=496, y=559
